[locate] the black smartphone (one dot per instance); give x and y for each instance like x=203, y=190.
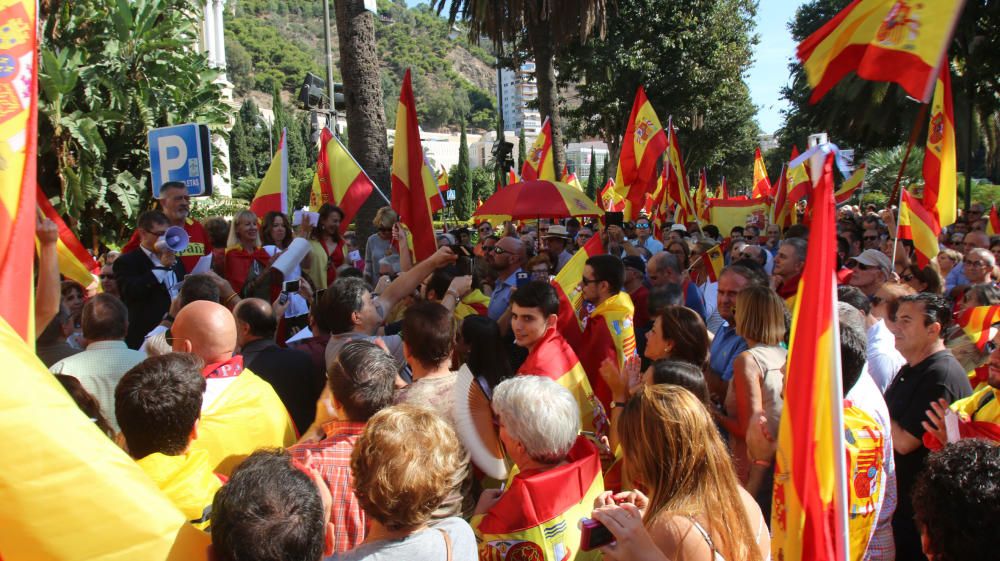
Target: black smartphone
x=593, y=534
x=290, y=287
x=523, y=278
x=614, y=219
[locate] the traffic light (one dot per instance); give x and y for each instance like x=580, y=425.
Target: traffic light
x=311, y=94
x=338, y=97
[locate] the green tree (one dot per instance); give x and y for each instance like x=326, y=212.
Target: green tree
x=109, y=72
x=522, y=149
x=461, y=181
x=240, y=157
x=544, y=27
x=592, y=179
x=483, y=185
x=690, y=55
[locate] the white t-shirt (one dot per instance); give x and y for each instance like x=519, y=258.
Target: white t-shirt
x=426, y=545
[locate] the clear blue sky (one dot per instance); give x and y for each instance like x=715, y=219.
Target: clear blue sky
x=770, y=70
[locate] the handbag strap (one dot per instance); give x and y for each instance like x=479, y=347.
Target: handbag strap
x=447, y=542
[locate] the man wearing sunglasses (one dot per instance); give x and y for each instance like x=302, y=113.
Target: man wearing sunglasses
x=871, y=269
x=508, y=257
x=644, y=233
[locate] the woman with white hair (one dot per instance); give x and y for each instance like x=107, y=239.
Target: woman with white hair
x=558, y=478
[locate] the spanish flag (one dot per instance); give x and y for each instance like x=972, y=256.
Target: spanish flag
x=701, y=197
x=723, y=191
x=437, y=202
x=643, y=144
x=474, y=303
x=609, y=199
x=761, y=184
x=74, y=261
x=272, y=195
x=675, y=178
x=799, y=184
x=512, y=176
x=339, y=180
x=610, y=334
x=567, y=285
x=883, y=40
x=68, y=491
x=411, y=191
x=940, y=175
x=715, y=261
x=918, y=224
x=993, y=221
x=850, y=185
x=977, y=322
x=539, y=162
x=782, y=210
x=727, y=214
x=808, y=517
x=18, y=150
x=570, y=178
x=538, y=516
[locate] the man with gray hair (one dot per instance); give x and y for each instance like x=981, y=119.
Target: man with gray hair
x=559, y=471
x=788, y=265
x=664, y=268
x=979, y=264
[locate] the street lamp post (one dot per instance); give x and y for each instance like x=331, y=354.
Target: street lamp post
x=329, y=66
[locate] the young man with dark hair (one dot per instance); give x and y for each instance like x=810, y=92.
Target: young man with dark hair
x=272, y=509
x=534, y=322
x=931, y=373
x=157, y=405
x=290, y=372
x=610, y=333
x=107, y=357
x=360, y=381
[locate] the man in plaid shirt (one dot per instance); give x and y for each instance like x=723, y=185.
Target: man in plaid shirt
x=359, y=384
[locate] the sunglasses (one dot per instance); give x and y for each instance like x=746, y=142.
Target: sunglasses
x=585, y=281
x=106, y=277
x=862, y=266
x=870, y=238
x=642, y=226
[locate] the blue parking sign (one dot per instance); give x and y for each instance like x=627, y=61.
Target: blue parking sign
x=181, y=153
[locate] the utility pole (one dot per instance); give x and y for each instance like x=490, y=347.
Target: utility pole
x=329, y=69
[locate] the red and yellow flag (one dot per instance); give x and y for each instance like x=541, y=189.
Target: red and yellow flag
x=761, y=184
x=642, y=146
x=609, y=198
x=918, y=224
x=808, y=519
x=723, y=191
x=993, y=221
x=977, y=322
x=899, y=41
x=675, y=179
x=715, y=261
x=850, y=185
x=701, y=197
x=75, y=262
x=539, y=162
x=19, y=141
x=339, y=180
x=727, y=214
x=567, y=285
x=437, y=200
x=782, y=210
x=799, y=185
x=411, y=190
x=570, y=178
x=272, y=195
x=940, y=175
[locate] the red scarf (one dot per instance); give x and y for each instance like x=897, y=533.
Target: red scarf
x=226, y=369
x=336, y=259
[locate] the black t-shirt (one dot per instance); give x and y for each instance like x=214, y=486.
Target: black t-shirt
x=909, y=397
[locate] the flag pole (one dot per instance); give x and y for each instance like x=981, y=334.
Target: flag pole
x=897, y=193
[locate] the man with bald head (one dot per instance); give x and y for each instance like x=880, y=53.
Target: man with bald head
x=240, y=412
x=290, y=372
x=509, y=254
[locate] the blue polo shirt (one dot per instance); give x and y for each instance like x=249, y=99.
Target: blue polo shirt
x=725, y=347
x=500, y=298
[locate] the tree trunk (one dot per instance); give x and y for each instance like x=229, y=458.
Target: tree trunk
x=548, y=92
x=359, y=67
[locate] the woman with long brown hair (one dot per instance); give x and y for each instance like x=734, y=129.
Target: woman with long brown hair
x=327, y=248
x=696, y=509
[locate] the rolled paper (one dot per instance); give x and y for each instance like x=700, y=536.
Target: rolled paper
x=292, y=256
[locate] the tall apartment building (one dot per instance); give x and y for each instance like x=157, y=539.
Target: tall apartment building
x=518, y=89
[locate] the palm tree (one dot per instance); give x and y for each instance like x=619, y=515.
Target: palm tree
x=359, y=67
x=548, y=25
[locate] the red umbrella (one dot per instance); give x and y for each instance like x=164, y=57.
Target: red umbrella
x=537, y=199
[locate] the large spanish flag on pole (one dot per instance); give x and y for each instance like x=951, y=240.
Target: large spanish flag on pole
x=339, y=179
x=678, y=191
x=539, y=162
x=940, y=175
x=272, y=195
x=918, y=224
x=410, y=189
x=761, y=184
x=74, y=261
x=643, y=144
x=18, y=149
x=899, y=41
x=809, y=518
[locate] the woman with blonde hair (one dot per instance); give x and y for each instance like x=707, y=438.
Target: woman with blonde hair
x=379, y=244
x=757, y=378
x=246, y=260
x=695, y=510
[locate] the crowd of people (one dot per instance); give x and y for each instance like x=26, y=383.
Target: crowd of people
x=311, y=411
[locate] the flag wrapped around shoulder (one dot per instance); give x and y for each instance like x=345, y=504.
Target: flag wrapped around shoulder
x=539, y=162
x=940, y=175
x=993, y=221
x=19, y=136
x=71, y=492
x=272, y=195
x=339, y=180
x=918, y=224
x=899, y=41
x=978, y=321
x=643, y=144
x=761, y=183
x=75, y=262
x=410, y=191
x=808, y=519
x=567, y=285
x=850, y=185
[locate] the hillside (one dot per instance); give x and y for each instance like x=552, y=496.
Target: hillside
x=275, y=42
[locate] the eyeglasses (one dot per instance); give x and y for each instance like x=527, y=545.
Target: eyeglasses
x=907, y=277
x=585, y=281
x=862, y=266
x=484, y=228
x=106, y=277
x=170, y=338
x=642, y=226
x=498, y=250
x=870, y=238
x=976, y=264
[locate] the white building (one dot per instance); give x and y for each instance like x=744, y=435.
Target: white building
x=518, y=88
x=578, y=158
x=212, y=42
